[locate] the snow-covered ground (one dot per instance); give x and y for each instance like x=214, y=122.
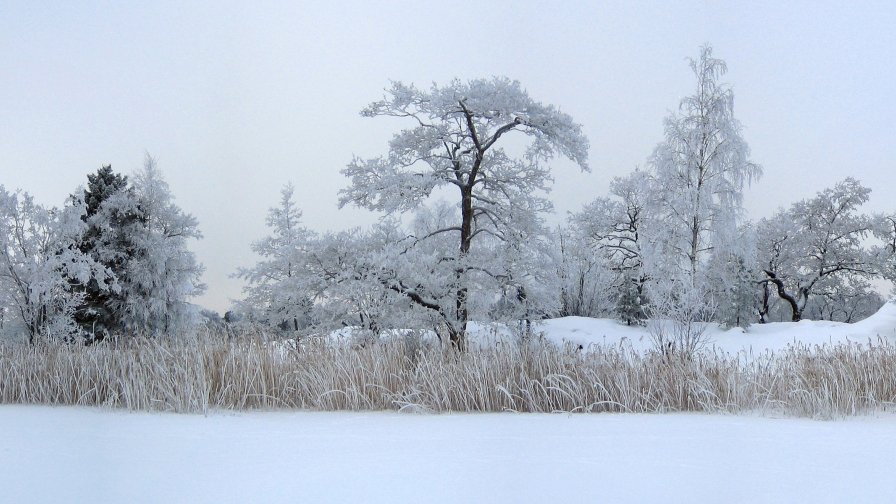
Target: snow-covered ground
x=757, y=338
x=89, y=455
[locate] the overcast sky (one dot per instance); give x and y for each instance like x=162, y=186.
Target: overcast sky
x=235, y=100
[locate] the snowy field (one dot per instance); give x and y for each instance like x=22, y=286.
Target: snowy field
x=90, y=455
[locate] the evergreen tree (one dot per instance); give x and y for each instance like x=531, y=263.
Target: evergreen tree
x=100, y=186
x=107, y=241
x=139, y=235
x=739, y=306
x=631, y=303
x=276, y=284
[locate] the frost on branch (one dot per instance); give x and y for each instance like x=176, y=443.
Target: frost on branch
x=42, y=270
x=816, y=243
x=138, y=232
x=460, y=138
x=277, y=286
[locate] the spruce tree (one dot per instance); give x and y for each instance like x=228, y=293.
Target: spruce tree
x=630, y=303
x=108, y=242
x=739, y=306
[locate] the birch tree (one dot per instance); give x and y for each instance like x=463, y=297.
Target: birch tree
x=700, y=170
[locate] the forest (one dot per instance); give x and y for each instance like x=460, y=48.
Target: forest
x=463, y=195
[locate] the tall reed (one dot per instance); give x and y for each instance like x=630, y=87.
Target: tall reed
x=241, y=374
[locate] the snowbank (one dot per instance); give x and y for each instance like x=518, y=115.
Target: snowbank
x=756, y=339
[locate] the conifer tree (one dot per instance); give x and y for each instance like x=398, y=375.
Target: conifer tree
x=108, y=242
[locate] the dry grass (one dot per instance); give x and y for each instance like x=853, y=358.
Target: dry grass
x=213, y=373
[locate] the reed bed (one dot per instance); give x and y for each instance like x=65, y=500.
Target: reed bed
x=244, y=374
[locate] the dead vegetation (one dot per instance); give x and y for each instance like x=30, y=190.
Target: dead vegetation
x=242, y=374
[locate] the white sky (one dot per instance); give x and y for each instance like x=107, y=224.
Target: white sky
x=236, y=100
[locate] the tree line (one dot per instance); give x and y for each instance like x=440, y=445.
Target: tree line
x=463, y=190
x=463, y=194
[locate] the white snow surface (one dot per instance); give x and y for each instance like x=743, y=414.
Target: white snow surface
x=756, y=339
x=67, y=454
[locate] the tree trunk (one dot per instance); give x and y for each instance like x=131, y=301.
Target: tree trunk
x=795, y=309
x=764, y=307
x=458, y=338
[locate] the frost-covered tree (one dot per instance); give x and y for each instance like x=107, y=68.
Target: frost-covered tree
x=630, y=305
x=456, y=143
x=321, y=282
x=736, y=291
x=111, y=211
x=166, y=274
x=699, y=172
x=614, y=228
x=276, y=284
x=815, y=241
x=162, y=274
x=100, y=186
x=885, y=251
x=524, y=276
x=42, y=269
x=580, y=279
x=354, y=278
x=843, y=299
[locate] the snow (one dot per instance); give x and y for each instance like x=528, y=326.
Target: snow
x=756, y=339
x=69, y=454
